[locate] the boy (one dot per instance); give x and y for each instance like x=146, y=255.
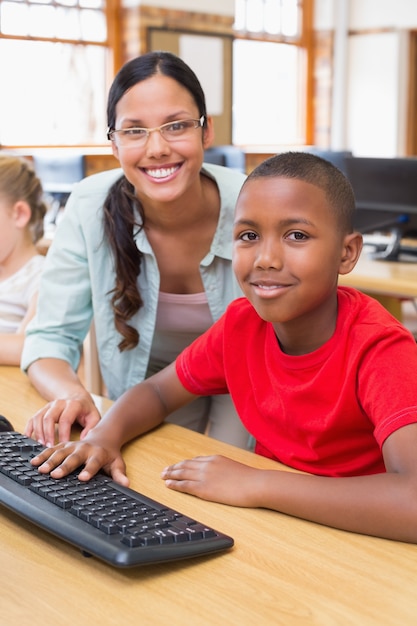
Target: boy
x=323, y=377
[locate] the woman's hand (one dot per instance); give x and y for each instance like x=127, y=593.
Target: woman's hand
x=215, y=478
x=69, y=402
x=93, y=454
x=64, y=412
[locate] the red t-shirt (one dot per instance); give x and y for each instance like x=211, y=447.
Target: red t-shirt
x=327, y=412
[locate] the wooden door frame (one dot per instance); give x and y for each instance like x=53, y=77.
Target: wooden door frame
x=411, y=128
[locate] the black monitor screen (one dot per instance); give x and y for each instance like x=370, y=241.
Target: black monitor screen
x=385, y=191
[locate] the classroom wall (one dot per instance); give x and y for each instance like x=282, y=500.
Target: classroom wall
x=362, y=13
x=216, y=7
x=366, y=14
x=377, y=76
x=370, y=73
x=369, y=77
x=376, y=94
x=382, y=14
x=324, y=14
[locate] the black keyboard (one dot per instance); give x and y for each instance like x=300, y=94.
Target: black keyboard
x=116, y=524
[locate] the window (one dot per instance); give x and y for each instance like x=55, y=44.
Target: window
x=274, y=17
x=270, y=73
x=53, y=87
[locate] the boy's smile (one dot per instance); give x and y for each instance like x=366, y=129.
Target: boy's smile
x=288, y=250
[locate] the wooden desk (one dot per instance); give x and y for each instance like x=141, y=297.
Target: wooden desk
x=282, y=571
x=387, y=281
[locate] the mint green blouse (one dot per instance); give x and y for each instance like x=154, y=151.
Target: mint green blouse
x=79, y=275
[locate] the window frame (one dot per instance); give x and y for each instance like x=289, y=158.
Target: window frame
x=112, y=45
x=304, y=41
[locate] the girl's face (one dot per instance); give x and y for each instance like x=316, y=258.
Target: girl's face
x=160, y=170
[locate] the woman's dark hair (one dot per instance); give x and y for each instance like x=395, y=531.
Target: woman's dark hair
x=147, y=65
x=120, y=224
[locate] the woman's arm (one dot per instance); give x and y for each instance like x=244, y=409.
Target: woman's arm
x=54, y=338
x=383, y=505
x=137, y=411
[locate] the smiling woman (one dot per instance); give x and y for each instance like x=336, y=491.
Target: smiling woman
x=145, y=250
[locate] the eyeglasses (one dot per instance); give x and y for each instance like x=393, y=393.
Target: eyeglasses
x=172, y=131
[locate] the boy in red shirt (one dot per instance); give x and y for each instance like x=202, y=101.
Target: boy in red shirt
x=323, y=377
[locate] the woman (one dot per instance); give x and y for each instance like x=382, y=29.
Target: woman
x=145, y=250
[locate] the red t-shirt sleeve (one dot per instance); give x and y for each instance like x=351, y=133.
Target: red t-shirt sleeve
x=387, y=383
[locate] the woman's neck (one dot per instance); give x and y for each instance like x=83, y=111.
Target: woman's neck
x=199, y=205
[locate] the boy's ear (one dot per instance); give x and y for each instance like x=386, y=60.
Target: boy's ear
x=21, y=213
x=208, y=133
x=352, y=248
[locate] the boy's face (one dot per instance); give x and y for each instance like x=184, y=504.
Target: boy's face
x=287, y=250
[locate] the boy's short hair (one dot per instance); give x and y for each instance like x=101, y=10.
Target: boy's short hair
x=316, y=171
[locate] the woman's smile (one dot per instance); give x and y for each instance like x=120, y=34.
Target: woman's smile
x=161, y=173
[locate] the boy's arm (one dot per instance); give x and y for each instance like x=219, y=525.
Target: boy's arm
x=137, y=411
x=383, y=505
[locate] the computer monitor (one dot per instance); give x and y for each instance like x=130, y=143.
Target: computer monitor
x=386, y=193
x=59, y=172
x=337, y=157
x=228, y=156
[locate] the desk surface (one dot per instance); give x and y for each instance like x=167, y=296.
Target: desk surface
x=390, y=278
x=282, y=571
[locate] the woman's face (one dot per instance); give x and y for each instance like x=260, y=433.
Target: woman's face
x=159, y=169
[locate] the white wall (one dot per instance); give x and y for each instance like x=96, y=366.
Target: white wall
x=370, y=80
x=383, y=14
x=368, y=13
x=370, y=73
x=370, y=87
x=324, y=14
x=373, y=95
x=217, y=7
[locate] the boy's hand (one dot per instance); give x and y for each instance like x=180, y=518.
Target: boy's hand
x=67, y=457
x=215, y=478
